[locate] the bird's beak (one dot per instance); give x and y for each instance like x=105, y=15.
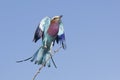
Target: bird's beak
x=60, y=16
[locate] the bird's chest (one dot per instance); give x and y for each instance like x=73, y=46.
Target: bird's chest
x=53, y=30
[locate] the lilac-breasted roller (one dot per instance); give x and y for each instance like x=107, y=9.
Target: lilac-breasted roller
x=50, y=30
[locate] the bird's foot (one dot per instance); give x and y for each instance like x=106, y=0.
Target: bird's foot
x=45, y=46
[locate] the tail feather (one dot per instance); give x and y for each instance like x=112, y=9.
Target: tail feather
x=46, y=57
x=41, y=57
x=35, y=55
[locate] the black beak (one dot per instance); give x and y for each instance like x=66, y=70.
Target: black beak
x=61, y=16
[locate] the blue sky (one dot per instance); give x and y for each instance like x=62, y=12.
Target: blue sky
x=92, y=34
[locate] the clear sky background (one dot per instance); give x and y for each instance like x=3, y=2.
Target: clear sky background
x=92, y=30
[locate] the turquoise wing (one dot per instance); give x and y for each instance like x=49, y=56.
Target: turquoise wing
x=41, y=29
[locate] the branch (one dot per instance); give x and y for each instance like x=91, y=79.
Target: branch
x=52, y=54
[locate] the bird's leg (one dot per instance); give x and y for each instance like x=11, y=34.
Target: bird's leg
x=45, y=45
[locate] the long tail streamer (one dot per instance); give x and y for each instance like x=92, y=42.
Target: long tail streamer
x=24, y=59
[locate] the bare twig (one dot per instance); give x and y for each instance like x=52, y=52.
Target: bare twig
x=52, y=54
x=53, y=61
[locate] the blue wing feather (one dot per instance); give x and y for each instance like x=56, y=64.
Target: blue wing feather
x=38, y=34
x=61, y=39
x=61, y=36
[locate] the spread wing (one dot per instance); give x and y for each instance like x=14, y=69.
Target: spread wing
x=61, y=36
x=42, y=27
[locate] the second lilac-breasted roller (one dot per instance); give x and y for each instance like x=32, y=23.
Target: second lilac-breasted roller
x=50, y=30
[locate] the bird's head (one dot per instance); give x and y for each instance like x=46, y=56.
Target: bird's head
x=56, y=19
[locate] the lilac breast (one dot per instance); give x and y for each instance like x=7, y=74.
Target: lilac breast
x=53, y=30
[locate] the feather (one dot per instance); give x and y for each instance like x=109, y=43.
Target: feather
x=42, y=27
x=61, y=36
x=38, y=34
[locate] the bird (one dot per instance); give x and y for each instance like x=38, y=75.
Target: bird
x=51, y=31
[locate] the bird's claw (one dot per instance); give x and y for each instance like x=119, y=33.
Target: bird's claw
x=45, y=46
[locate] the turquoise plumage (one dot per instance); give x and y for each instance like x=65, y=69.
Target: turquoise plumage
x=50, y=30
